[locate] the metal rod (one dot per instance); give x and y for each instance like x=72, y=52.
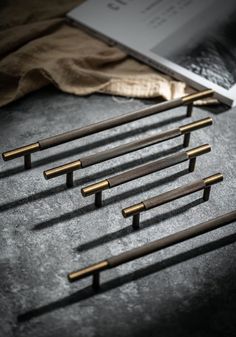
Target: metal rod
x=98, y=199
x=153, y=246
x=146, y=169
x=206, y=193
x=27, y=161
x=103, y=125
x=88, y=271
x=96, y=281
x=21, y=151
x=69, y=179
x=189, y=110
x=126, y=148
x=136, y=221
x=193, y=126
x=94, y=188
x=174, y=194
x=63, y=169
x=192, y=164
x=186, y=139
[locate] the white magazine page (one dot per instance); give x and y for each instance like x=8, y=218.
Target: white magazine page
x=189, y=39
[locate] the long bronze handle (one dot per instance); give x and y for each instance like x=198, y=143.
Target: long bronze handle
x=102, y=126
x=202, y=184
x=151, y=247
x=99, y=157
x=144, y=170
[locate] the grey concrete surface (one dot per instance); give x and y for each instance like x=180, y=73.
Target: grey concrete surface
x=48, y=230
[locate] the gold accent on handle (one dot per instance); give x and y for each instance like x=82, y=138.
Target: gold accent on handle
x=198, y=95
x=63, y=169
x=196, y=125
x=21, y=151
x=215, y=178
x=77, y=275
x=94, y=188
x=197, y=151
x=132, y=210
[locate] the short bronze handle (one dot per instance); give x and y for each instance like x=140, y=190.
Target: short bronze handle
x=144, y=170
x=202, y=184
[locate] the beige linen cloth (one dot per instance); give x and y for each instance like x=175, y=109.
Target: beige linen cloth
x=38, y=47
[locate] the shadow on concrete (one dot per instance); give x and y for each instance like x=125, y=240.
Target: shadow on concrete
x=144, y=224
x=90, y=208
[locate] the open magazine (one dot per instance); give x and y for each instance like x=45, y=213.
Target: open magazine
x=191, y=40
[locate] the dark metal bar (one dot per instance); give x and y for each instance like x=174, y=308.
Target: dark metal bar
x=98, y=199
x=129, y=147
x=206, y=193
x=126, y=148
x=186, y=139
x=69, y=179
x=136, y=221
x=104, y=125
x=146, y=169
x=192, y=164
x=96, y=281
x=27, y=161
x=189, y=110
x=153, y=246
x=202, y=184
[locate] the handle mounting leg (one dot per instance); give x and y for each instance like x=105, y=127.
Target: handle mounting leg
x=192, y=164
x=98, y=199
x=69, y=179
x=206, y=193
x=96, y=281
x=186, y=139
x=189, y=110
x=136, y=221
x=27, y=161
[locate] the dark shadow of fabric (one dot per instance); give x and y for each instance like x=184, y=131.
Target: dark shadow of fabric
x=88, y=292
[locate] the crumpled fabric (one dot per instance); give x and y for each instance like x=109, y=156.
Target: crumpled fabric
x=39, y=47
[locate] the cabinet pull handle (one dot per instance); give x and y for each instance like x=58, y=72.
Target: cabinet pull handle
x=144, y=170
x=103, y=125
x=202, y=184
x=149, y=248
x=117, y=151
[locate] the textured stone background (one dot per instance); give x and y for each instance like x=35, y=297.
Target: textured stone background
x=47, y=231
